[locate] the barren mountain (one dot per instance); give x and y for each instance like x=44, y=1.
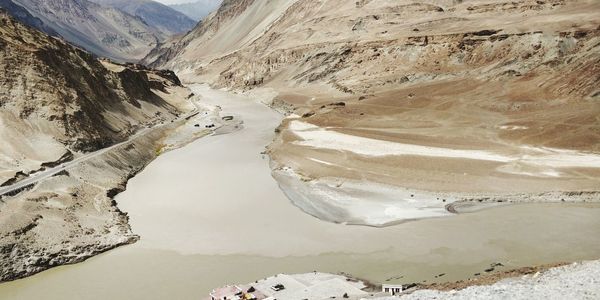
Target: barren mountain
x=104, y=31
x=210, y=29
x=440, y=102
x=23, y=16
x=57, y=104
x=197, y=10
x=157, y=15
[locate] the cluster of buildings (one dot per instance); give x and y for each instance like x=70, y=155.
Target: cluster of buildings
x=299, y=286
x=308, y=286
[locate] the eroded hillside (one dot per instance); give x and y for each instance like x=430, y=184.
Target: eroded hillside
x=58, y=104
x=448, y=101
x=155, y=14
x=64, y=97
x=102, y=30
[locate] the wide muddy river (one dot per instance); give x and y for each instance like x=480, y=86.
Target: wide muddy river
x=210, y=214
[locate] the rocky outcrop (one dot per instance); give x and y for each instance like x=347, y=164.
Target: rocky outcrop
x=46, y=80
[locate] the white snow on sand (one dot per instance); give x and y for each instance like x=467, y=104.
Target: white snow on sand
x=314, y=136
x=541, y=160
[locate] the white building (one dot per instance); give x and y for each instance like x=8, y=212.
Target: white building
x=392, y=289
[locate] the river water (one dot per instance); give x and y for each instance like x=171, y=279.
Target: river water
x=210, y=214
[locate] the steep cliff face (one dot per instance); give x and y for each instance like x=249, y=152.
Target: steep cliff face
x=56, y=94
x=517, y=78
x=58, y=103
x=321, y=41
x=368, y=47
x=205, y=31
x=102, y=30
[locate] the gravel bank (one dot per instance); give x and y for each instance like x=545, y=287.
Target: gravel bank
x=575, y=281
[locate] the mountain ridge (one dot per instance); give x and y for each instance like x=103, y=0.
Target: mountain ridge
x=197, y=10
x=21, y=14
x=155, y=14
x=102, y=30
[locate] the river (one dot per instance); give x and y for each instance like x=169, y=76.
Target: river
x=210, y=214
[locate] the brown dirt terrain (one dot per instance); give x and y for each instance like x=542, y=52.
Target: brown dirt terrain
x=58, y=103
x=513, y=78
x=488, y=279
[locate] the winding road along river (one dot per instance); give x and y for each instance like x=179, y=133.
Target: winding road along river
x=210, y=214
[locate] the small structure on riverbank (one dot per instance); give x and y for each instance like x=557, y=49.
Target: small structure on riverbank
x=392, y=289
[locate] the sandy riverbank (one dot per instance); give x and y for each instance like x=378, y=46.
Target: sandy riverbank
x=71, y=215
x=349, y=178
x=364, y=202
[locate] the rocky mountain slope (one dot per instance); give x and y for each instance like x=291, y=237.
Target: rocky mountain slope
x=212, y=29
x=429, y=103
x=197, y=10
x=104, y=31
x=21, y=14
x=159, y=16
x=58, y=103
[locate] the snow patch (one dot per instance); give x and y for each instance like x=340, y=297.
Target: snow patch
x=531, y=161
